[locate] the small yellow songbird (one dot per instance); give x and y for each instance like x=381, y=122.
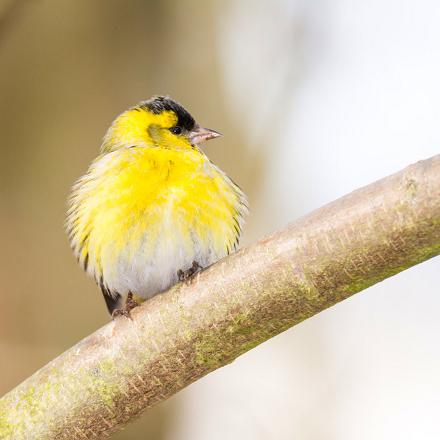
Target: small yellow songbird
x=152, y=208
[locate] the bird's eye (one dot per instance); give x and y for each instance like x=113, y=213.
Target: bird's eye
x=176, y=130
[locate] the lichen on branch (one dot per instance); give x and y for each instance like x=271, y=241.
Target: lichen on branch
x=177, y=337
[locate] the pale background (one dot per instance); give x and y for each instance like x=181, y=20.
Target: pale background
x=315, y=99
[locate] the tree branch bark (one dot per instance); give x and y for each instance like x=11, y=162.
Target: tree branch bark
x=110, y=377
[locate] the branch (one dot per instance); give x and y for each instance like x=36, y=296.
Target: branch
x=110, y=377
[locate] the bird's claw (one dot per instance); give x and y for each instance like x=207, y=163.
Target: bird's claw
x=188, y=275
x=130, y=304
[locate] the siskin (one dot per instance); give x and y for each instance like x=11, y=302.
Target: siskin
x=152, y=209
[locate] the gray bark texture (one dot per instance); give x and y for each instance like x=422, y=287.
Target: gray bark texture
x=129, y=365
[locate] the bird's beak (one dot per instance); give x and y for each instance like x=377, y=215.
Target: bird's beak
x=200, y=134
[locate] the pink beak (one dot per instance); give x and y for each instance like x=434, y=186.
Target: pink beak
x=200, y=134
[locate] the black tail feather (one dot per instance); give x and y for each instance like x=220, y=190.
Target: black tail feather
x=111, y=299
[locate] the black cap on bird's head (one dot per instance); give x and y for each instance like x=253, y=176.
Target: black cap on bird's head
x=158, y=104
x=185, y=122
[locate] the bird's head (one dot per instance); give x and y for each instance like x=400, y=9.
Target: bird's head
x=159, y=122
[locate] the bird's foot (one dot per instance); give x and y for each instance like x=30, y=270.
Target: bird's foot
x=130, y=304
x=188, y=275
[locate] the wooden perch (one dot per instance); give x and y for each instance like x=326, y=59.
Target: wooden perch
x=109, y=378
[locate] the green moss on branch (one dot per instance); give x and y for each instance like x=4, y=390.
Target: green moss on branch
x=175, y=338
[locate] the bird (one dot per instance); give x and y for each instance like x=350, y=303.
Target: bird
x=152, y=209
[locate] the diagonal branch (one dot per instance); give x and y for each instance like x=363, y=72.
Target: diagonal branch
x=110, y=377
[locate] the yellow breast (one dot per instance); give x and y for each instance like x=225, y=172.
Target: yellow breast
x=143, y=207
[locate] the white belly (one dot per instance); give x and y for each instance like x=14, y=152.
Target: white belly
x=150, y=270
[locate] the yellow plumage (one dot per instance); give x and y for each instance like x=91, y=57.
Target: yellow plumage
x=151, y=204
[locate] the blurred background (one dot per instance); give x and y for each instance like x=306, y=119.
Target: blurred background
x=314, y=98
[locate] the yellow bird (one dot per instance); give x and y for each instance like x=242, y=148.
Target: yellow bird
x=152, y=208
